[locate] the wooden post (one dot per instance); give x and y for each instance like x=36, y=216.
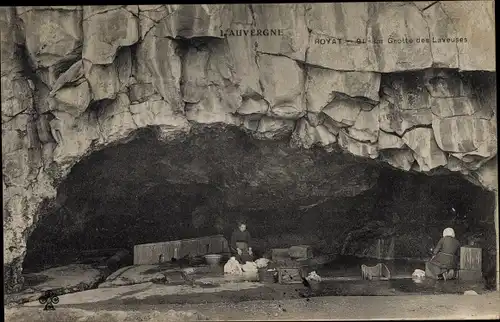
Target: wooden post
x=470, y=264
x=470, y=258
x=148, y=254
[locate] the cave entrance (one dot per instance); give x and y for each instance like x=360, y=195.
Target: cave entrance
x=148, y=191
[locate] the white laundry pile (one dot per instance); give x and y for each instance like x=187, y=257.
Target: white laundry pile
x=189, y=270
x=233, y=267
x=470, y=292
x=249, y=267
x=262, y=262
x=418, y=275
x=313, y=276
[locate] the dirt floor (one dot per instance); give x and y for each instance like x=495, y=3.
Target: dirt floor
x=157, y=294
x=144, y=293
x=448, y=307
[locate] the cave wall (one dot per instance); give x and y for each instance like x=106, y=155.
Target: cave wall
x=149, y=190
x=118, y=197
x=418, y=208
x=77, y=79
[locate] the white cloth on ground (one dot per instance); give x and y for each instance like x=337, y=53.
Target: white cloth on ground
x=418, y=273
x=418, y=276
x=233, y=267
x=470, y=292
x=262, y=262
x=313, y=276
x=249, y=267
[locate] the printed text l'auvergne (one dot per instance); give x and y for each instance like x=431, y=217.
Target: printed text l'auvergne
x=251, y=32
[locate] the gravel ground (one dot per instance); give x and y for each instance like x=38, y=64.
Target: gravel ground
x=446, y=306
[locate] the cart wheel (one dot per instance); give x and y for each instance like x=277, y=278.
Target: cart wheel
x=55, y=300
x=42, y=300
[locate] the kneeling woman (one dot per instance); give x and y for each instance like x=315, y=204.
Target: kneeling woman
x=445, y=259
x=241, y=244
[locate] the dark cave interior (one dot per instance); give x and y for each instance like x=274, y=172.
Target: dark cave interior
x=150, y=191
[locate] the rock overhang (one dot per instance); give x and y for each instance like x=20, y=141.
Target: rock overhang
x=292, y=88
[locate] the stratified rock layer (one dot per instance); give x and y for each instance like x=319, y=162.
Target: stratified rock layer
x=77, y=79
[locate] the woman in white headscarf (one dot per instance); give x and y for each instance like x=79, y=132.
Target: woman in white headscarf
x=444, y=262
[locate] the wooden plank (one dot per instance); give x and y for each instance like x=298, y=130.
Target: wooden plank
x=150, y=253
x=470, y=258
x=287, y=262
x=279, y=253
x=317, y=261
x=99, y=252
x=300, y=251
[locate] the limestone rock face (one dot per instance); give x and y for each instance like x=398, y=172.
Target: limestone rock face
x=477, y=55
x=389, y=141
x=163, y=75
x=359, y=26
x=189, y=21
x=425, y=149
x=323, y=84
x=107, y=28
x=251, y=106
x=290, y=19
x=285, y=97
x=270, y=128
x=402, y=159
x=306, y=135
x=79, y=79
x=358, y=148
x=366, y=127
x=368, y=22
x=52, y=35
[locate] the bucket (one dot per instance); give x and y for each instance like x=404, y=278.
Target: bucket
x=213, y=259
x=315, y=286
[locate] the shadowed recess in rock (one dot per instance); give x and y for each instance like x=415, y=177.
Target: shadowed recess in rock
x=150, y=191
x=96, y=75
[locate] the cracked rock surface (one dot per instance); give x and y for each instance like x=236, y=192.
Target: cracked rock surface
x=78, y=79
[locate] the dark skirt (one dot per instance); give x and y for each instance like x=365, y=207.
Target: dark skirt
x=245, y=256
x=440, y=264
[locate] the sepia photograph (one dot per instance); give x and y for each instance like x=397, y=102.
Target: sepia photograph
x=250, y=161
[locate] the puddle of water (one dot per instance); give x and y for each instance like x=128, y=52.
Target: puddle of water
x=343, y=277
x=208, y=285
x=404, y=286
x=348, y=266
